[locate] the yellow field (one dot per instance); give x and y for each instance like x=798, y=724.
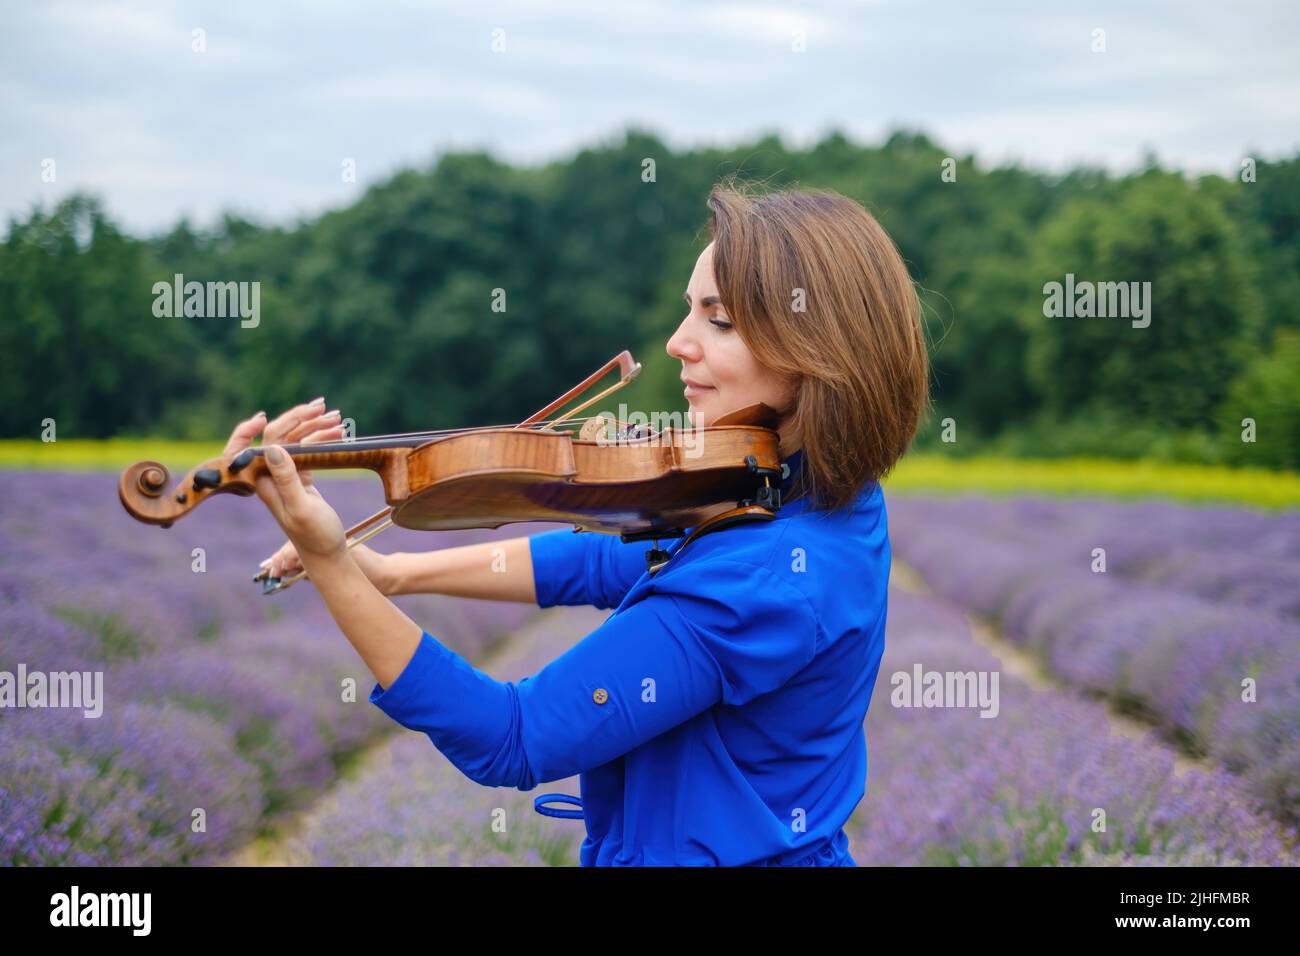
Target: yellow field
x=930, y=473
x=102, y=455
x=109, y=454
x=1098, y=476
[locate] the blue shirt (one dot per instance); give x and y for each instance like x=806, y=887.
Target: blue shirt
x=716, y=717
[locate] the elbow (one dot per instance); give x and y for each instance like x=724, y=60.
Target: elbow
x=498, y=759
x=499, y=773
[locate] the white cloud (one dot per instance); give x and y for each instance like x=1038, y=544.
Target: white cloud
x=261, y=121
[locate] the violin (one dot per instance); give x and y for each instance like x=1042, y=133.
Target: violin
x=598, y=474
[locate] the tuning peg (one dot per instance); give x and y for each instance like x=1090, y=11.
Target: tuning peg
x=206, y=478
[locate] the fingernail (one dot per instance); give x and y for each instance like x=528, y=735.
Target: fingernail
x=334, y=412
x=274, y=455
x=319, y=400
x=265, y=563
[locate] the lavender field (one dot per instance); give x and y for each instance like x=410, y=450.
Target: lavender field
x=221, y=701
x=223, y=710
x=944, y=787
x=1188, y=617
x=417, y=809
x=947, y=786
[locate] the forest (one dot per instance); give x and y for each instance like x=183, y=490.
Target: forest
x=472, y=292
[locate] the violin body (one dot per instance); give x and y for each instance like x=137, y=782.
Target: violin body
x=485, y=481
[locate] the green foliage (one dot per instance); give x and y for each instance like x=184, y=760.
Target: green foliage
x=391, y=307
x=1266, y=393
x=1267, y=211
x=1204, y=313
x=79, y=342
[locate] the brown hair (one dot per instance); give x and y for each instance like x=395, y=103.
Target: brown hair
x=856, y=349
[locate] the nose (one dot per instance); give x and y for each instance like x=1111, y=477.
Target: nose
x=682, y=345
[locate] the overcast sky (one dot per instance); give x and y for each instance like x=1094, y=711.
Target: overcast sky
x=261, y=121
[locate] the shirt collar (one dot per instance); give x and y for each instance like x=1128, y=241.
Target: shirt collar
x=793, y=463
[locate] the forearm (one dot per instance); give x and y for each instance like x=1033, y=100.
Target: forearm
x=381, y=633
x=492, y=570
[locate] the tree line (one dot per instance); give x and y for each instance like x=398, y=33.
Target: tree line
x=473, y=292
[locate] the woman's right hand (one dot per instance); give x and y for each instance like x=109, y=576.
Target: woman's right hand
x=377, y=567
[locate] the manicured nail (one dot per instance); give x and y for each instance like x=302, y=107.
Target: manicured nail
x=335, y=412
x=265, y=563
x=274, y=455
x=319, y=400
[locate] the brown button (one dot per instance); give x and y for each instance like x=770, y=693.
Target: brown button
x=600, y=696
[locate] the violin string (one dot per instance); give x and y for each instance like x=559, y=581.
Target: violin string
x=452, y=431
x=435, y=433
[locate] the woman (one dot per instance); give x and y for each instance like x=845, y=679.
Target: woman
x=716, y=717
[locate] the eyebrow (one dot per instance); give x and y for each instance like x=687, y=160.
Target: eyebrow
x=707, y=301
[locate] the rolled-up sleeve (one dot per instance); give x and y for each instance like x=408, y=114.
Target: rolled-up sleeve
x=728, y=632
x=584, y=568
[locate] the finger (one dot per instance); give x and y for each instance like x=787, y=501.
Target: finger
x=320, y=423
x=270, y=495
x=322, y=428
x=278, y=429
x=323, y=435
x=285, y=474
x=285, y=559
x=281, y=566
x=244, y=434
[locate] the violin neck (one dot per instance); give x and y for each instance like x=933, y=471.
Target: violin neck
x=346, y=447
x=374, y=455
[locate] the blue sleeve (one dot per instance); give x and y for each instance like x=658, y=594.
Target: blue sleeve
x=728, y=633
x=584, y=567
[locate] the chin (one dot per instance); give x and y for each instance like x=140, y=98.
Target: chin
x=700, y=416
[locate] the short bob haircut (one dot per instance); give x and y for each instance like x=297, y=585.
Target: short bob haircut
x=820, y=294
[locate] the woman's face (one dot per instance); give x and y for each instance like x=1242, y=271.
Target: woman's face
x=720, y=373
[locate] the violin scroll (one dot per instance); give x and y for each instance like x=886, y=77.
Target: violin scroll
x=143, y=487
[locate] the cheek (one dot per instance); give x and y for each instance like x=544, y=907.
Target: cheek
x=732, y=366
x=742, y=381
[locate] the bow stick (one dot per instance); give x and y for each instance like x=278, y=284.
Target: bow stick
x=377, y=522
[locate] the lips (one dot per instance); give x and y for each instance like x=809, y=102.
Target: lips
x=694, y=389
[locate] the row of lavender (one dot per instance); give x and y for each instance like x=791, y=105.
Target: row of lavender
x=221, y=708
x=1189, y=616
x=418, y=809
x=1043, y=782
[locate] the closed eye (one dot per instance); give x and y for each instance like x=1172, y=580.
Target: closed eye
x=720, y=324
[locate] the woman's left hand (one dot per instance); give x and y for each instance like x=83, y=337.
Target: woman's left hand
x=311, y=524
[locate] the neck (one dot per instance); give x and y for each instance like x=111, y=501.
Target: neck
x=789, y=440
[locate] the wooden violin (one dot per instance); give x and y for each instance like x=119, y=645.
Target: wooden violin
x=605, y=476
